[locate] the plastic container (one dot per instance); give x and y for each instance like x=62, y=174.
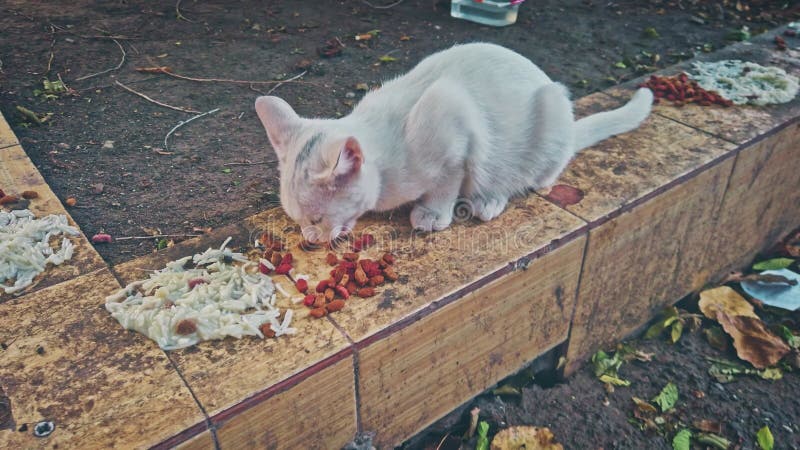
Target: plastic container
x=487, y=12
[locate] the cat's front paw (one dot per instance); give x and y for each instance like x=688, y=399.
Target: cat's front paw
x=426, y=219
x=488, y=209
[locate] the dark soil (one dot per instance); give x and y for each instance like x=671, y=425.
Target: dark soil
x=576, y=42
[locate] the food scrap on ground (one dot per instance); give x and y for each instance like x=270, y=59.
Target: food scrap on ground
x=26, y=249
x=745, y=82
x=221, y=294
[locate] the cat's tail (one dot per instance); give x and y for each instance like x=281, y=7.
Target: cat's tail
x=593, y=129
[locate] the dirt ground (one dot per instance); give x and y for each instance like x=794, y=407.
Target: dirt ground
x=105, y=146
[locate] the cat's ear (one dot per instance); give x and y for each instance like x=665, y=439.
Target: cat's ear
x=346, y=163
x=279, y=119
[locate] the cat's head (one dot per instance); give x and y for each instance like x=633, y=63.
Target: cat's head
x=326, y=184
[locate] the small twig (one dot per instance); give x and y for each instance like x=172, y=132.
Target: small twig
x=286, y=81
x=391, y=5
x=52, y=45
x=178, y=12
x=168, y=71
x=128, y=238
x=182, y=123
x=246, y=163
x=121, y=62
x=176, y=108
x=442, y=441
x=113, y=36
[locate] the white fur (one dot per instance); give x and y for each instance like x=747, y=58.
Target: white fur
x=476, y=121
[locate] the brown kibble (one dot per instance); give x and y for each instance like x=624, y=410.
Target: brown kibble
x=361, y=276
x=318, y=312
x=388, y=258
x=390, y=274
x=350, y=257
x=331, y=259
x=71, y=201
x=266, y=330
x=8, y=199
x=186, y=326
x=351, y=287
x=345, y=279
x=30, y=195
x=320, y=301
x=377, y=280
x=329, y=294
x=338, y=274
x=276, y=258
x=335, y=305
x=365, y=292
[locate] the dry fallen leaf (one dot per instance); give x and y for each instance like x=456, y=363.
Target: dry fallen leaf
x=709, y=426
x=724, y=299
x=754, y=343
x=525, y=437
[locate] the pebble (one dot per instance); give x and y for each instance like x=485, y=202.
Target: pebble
x=350, y=95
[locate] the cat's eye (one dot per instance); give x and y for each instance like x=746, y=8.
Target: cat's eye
x=316, y=220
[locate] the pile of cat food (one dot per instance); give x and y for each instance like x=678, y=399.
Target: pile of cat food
x=680, y=90
x=209, y=295
x=28, y=244
x=351, y=275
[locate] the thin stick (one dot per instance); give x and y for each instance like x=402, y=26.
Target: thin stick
x=121, y=62
x=182, y=123
x=178, y=12
x=113, y=36
x=391, y=5
x=128, y=238
x=286, y=81
x=52, y=45
x=176, y=108
x=167, y=71
x=246, y=163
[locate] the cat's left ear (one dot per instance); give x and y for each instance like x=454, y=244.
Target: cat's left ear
x=280, y=121
x=349, y=161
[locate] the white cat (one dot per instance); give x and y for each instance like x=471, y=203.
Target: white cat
x=476, y=122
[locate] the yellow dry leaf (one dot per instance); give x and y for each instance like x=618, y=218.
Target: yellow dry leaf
x=525, y=437
x=727, y=300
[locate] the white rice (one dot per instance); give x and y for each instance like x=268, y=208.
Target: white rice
x=235, y=300
x=25, y=248
x=746, y=82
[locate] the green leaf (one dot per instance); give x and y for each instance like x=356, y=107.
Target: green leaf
x=387, y=58
x=226, y=170
x=713, y=440
x=616, y=381
x=682, y=440
x=765, y=439
x=788, y=336
x=651, y=32
x=483, y=436
x=677, y=330
x=667, y=398
x=506, y=389
x=771, y=373
x=655, y=330
x=620, y=65
x=605, y=364
x=773, y=264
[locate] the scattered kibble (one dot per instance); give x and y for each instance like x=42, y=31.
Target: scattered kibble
x=30, y=195
x=186, y=326
x=101, y=238
x=71, y=201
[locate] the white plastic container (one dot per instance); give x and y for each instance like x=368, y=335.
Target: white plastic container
x=487, y=12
